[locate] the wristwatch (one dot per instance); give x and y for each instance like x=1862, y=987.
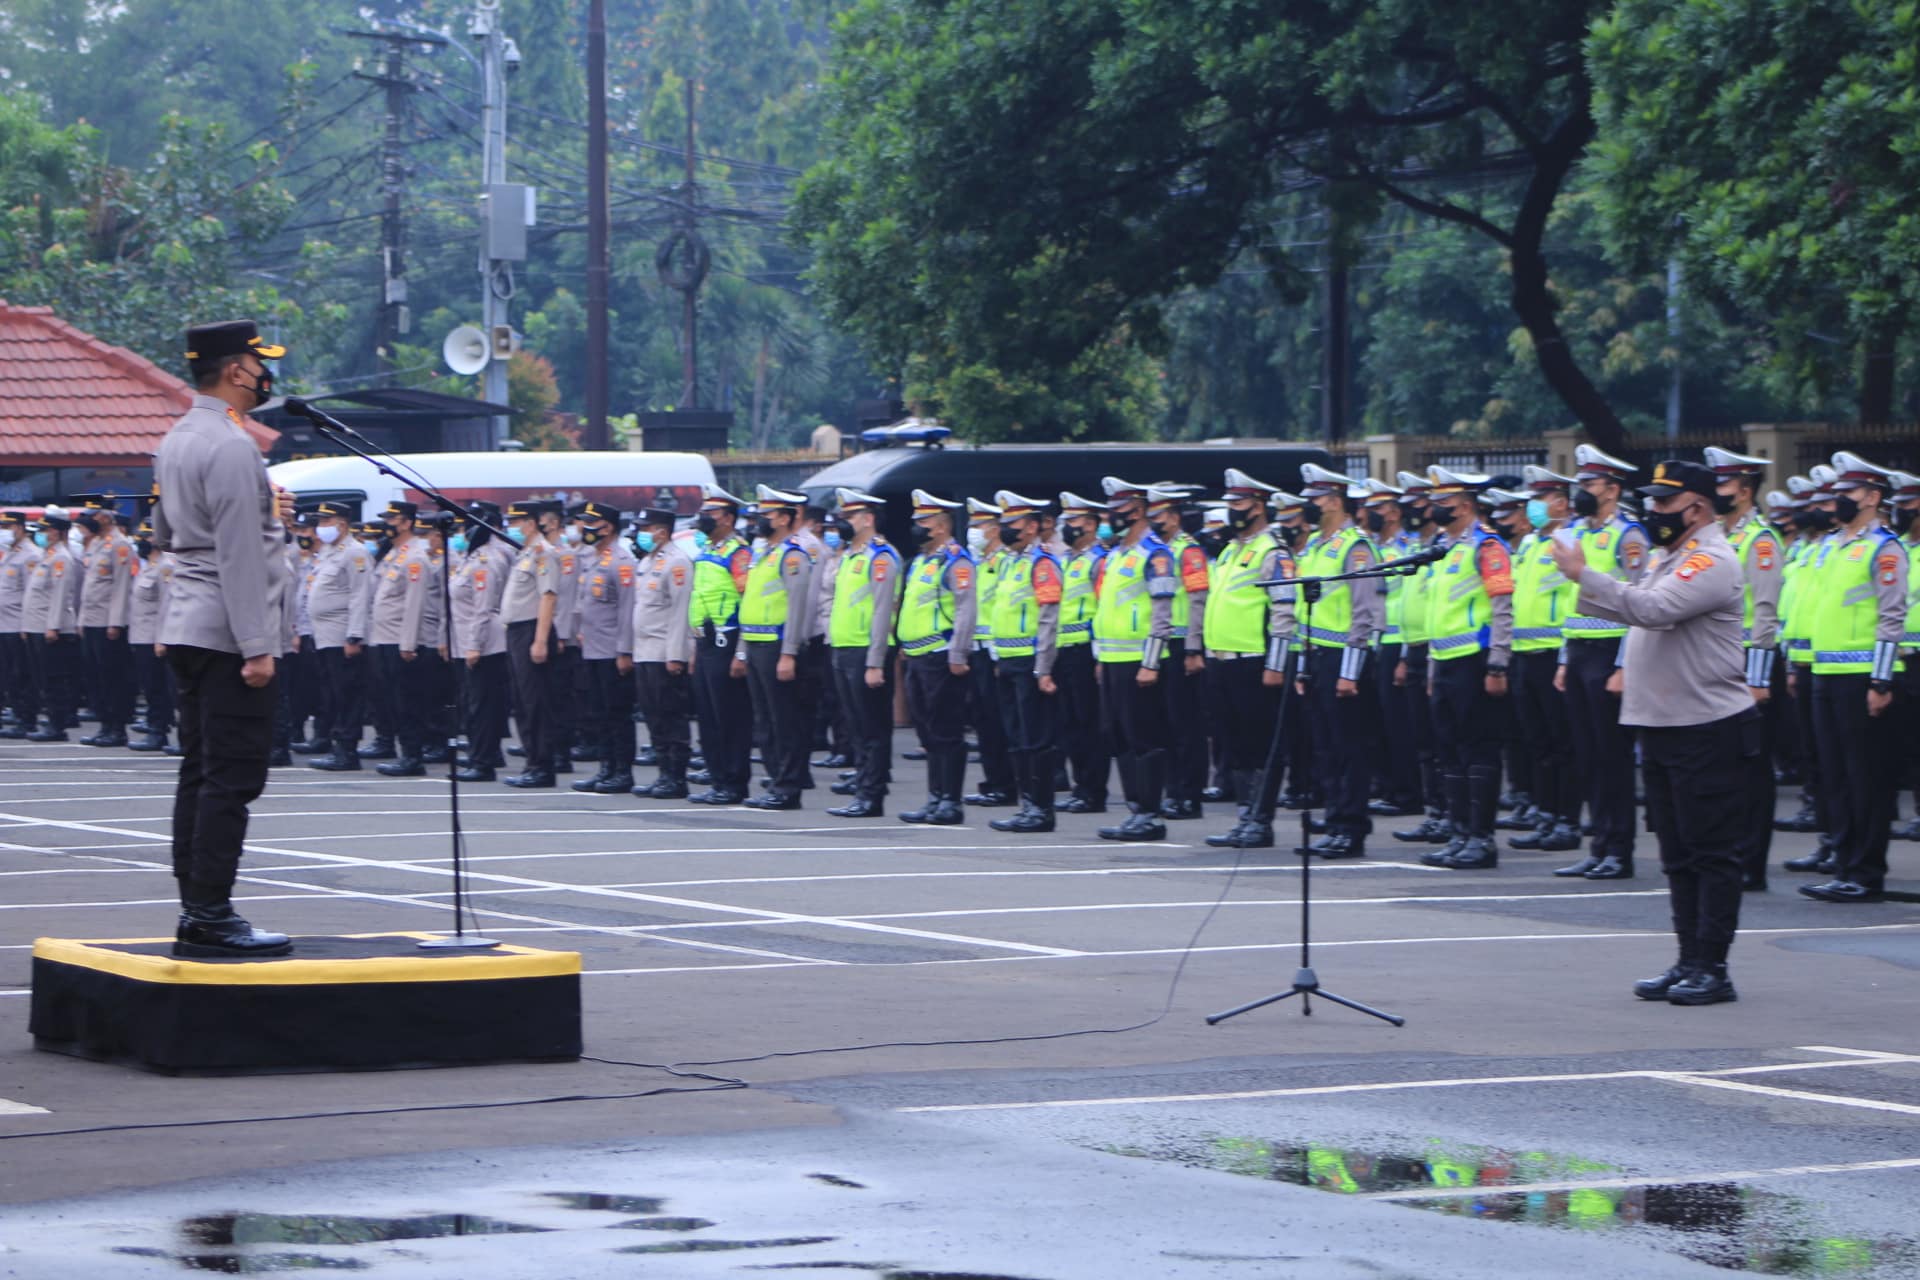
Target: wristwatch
x=1880, y=686
x=1493, y=670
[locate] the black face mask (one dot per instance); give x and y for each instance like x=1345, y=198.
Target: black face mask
x=1213, y=541
x=1376, y=523
x=1009, y=534
x=1412, y=518
x=761, y=527
x=1072, y=532
x=590, y=536
x=1291, y=534
x=1901, y=520
x=1192, y=520
x=706, y=523
x=1443, y=513
x=477, y=536
x=920, y=534
x=1311, y=514
x=382, y=545
x=1665, y=527
x=262, y=387
x=1507, y=532
x=1845, y=509
x=144, y=546
x=1122, y=520
x=1723, y=504
x=1817, y=520
x=1239, y=521
x=305, y=541
x=1585, y=504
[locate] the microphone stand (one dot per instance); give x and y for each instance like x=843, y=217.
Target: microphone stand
x=1306, y=983
x=345, y=436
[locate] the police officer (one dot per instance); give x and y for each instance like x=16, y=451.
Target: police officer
x=1410, y=663
x=1341, y=629
x=1075, y=673
x=306, y=690
x=1858, y=607
x=221, y=519
x=1173, y=514
x=1813, y=524
x=1906, y=505
x=1397, y=774
x=605, y=630
x=406, y=626
x=50, y=624
x=1026, y=627
x=1699, y=730
x=1132, y=623
x=1542, y=599
x=339, y=597
x=663, y=640
x=935, y=631
x=867, y=574
x=773, y=625
x=382, y=698
x=1762, y=562
x=983, y=708
x=146, y=605
x=108, y=568
x=481, y=566
x=19, y=555
x=1469, y=648
x=1245, y=634
x=528, y=609
x=720, y=688
x=560, y=526
x=1592, y=677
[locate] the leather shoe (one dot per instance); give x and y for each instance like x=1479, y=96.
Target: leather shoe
x=1342, y=845
x=470, y=774
x=1214, y=795
x=1479, y=854
x=1908, y=830
x=1032, y=821
x=844, y=789
x=108, y=738
x=1248, y=835
x=1820, y=861
x=839, y=760
x=1579, y=868
x=1657, y=988
x=1704, y=986
x=989, y=799
x=614, y=784
x=773, y=803
x=378, y=749
x=1432, y=831
x=1611, y=868
x=583, y=752
x=645, y=758
x=1444, y=856
x=1562, y=839
x=861, y=807
x=338, y=762
x=152, y=742
x=1841, y=891
x=47, y=735
x=1137, y=828
x=1180, y=810
x=14, y=731
x=529, y=780
x=663, y=789
x=404, y=767
x=434, y=755
x=716, y=796
x=214, y=931
x=1080, y=804
x=1804, y=821
x=1387, y=809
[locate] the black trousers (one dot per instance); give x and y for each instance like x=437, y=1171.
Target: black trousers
x=608, y=712
x=377, y=697
x=418, y=693
x=1812, y=769
x=937, y=704
x=484, y=693
x=531, y=685
x=1187, y=766
x=870, y=711
x=779, y=703
x=1906, y=712
x=1344, y=732
x=1134, y=719
x=346, y=681
x=56, y=669
x=1862, y=774
x=563, y=696
x=1248, y=709
x=983, y=713
x=311, y=694
x=726, y=716
x=1602, y=750
x=667, y=701
x=111, y=669
x=1086, y=748
x=23, y=690
x=820, y=692
x=1699, y=783
x=226, y=735
x=150, y=672
x=1541, y=711
x=1399, y=764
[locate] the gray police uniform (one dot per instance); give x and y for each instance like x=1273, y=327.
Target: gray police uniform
x=663, y=585
x=50, y=625
x=146, y=605
x=605, y=627
x=563, y=664
x=479, y=586
x=22, y=691
x=407, y=636
x=103, y=633
x=534, y=577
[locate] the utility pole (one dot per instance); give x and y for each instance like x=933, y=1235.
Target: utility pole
x=598, y=271
x=690, y=357
x=394, y=320
x=503, y=228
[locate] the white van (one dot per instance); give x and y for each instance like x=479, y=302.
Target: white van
x=628, y=481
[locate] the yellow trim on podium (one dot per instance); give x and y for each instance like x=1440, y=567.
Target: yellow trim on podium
x=503, y=962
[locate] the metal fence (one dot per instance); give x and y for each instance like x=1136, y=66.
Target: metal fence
x=1895, y=445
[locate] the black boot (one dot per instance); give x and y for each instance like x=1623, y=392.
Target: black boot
x=155, y=740
x=861, y=807
x=1657, y=988
x=407, y=766
x=1480, y=853
x=211, y=929
x=1459, y=807
x=343, y=760
x=378, y=749
x=1035, y=772
x=1531, y=842
x=1709, y=984
x=529, y=779
x=590, y=785
x=1612, y=868
x=1821, y=860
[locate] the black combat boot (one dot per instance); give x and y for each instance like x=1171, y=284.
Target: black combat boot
x=345, y=759
x=211, y=929
x=1708, y=984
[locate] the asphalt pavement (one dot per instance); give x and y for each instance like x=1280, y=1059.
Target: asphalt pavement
x=1049, y=1103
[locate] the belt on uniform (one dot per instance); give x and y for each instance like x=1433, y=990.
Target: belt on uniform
x=1076, y=629
x=1536, y=633
x=1843, y=655
x=926, y=644
x=1591, y=624
x=1136, y=648
x=1232, y=655
x=1448, y=644
x=762, y=630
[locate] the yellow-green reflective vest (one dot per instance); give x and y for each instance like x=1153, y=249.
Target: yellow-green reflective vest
x=1602, y=548
x=1326, y=554
x=850, y=625
x=1910, y=639
x=1076, y=597
x=1542, y=596
x=1459, y=610
x=1845, y=611
x=1413, y=604
x=1182, y=602
x=989, y=575
x=1123, y=615
x=715, y=597
x=1397, y=547
x=1236, y=615
x=764, y=605
x=1796, y=629
x=1743, y=539
x=1016, y=614
x=927, y=607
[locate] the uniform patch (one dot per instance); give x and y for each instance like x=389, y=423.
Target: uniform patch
x=1889, y=566
x=1692, y=565
x=679, y=575
x=59, y=566
x=360, y=564
x=880, y=569
x=566, y=566
x=1602, y=540
x=1496, y=571
x=626, y=575
x=1635, y=553
x=1193, y=569
x=121, y=551
x=480, y=578
x=962, y=576
x=1046, y=582
x=413, y=571
x=1763, y=554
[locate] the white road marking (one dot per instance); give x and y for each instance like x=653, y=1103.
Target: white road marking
x=1621, y=1184
x=8, y=1107
x=1258, y=902
x=1794, y=1095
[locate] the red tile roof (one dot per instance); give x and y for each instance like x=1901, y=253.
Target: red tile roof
x=68, y=399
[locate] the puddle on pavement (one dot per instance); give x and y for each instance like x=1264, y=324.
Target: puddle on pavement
x=269, y=1228
x=722, y=1246
x=606, y=1203
x=663, y=1224
x=1730, y=1225
x=248, y=1264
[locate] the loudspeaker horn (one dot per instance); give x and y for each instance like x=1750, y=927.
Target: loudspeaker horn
x=466, y=350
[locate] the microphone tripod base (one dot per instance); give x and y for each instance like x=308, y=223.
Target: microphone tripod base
x=1306, y=985
x=460, y=942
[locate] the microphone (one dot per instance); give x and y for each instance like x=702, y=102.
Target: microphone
x=323, y=421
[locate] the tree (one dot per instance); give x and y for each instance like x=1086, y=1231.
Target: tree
x=1773, y=147
x=1011, y=183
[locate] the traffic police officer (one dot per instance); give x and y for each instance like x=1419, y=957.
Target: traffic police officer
x=1814, y=519
x=1172, y=514
x=720, y=685
x=338, y=600
x=936, y=635
x=867, y=573
x=19, y=555
x=606, y=648
x=983, y=707
x=1762, y=565
x=1026, y=627
x=1303, y=785
x=773, y=618
x=1341, y=630
x=1699, y=730
x=528, y=610
x=1398, y=778
x=50, y=624
x=1858, y=605
x=1592, y=677
x=481, y=565
x=1906, y=504
x=663, y=641
x=1542, y=599
x=1246, y=634
x=1132, y=623
x=1469, y=645
x=1075, y=673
